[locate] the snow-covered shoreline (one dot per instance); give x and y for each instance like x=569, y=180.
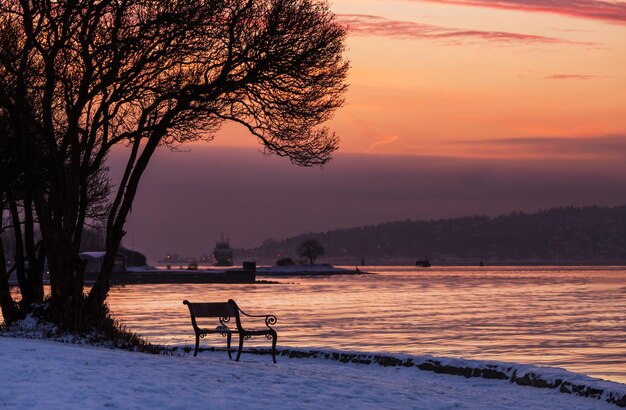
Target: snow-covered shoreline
x=553, y=378
x=45, y=374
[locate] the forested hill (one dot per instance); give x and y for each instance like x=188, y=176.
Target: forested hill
x=566, y=234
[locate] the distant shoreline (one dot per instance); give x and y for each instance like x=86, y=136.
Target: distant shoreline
x=487, y=264
x=436, y=263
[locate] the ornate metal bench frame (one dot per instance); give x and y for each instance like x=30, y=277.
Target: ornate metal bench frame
x=225, y=311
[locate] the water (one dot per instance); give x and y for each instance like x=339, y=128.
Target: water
x=567, y=317
x=570, y=317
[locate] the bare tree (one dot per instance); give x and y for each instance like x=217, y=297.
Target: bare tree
x=16, y=197
x=16, y=201
x=311, y=249
x=78, y=77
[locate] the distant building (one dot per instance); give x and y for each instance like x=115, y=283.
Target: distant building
x=94, y=261
x=172, y=258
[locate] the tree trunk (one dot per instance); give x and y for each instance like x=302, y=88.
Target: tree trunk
x=119, y=212
x=34, y=271
x=7, y=304
x=100, y=290
x=65, y=274
x=18, y=258
x=65, y=292
x=65, y=266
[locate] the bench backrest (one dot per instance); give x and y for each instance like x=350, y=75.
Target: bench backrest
x=222, y=310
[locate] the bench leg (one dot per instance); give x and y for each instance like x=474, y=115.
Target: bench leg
x=240, y=346
x=228, y=338
x=274, y=337
x=195, y=352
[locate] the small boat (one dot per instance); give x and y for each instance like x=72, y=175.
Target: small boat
x=423, y=263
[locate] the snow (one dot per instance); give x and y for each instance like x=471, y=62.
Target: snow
x=45, y=374
x=94, y=255
x=143, y=268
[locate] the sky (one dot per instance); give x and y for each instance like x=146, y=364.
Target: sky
x=455, y=107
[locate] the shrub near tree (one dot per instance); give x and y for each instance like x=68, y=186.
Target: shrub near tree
x=311, y=249
x=79, y=77
x=285, y=262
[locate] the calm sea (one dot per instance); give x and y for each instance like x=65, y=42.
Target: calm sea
x=570, y=317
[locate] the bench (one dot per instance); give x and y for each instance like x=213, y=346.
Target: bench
x=225, y=311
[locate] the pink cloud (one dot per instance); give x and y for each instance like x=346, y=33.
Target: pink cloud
x=361, y=24
x=383, y=141
x=609, y=11
x=571, y=77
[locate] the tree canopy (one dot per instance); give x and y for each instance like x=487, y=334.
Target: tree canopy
x=311, y=249
x=78, y=77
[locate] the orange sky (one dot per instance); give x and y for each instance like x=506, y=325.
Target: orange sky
x=455, y=108
x=529, y=78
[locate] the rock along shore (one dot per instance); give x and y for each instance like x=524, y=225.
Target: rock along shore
x=524, y=375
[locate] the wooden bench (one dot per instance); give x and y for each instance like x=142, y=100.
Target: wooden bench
x=225, y=311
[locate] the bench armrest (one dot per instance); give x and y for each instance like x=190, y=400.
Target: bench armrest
x=269, y=319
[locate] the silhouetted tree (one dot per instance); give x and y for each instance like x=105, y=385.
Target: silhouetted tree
x=78, y=77
x=311, y=249
x=16, y=191
x=16, y=200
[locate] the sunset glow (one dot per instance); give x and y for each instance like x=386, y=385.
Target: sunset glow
x=467, y=77
x=313, y=204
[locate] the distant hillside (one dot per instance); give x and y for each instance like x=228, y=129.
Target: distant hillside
x=558, y=235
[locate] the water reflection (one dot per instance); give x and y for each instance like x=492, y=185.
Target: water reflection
x=564, y=317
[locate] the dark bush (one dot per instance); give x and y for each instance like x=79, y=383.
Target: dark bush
x=285, y=262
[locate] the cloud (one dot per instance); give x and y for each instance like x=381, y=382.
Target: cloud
x=572, y=30
x=608, y=11
x=571, y=77
x=362, y=24
x=383, y=141
x=611, y=146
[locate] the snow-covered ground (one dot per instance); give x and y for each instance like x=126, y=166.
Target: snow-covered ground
x=40, y=374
